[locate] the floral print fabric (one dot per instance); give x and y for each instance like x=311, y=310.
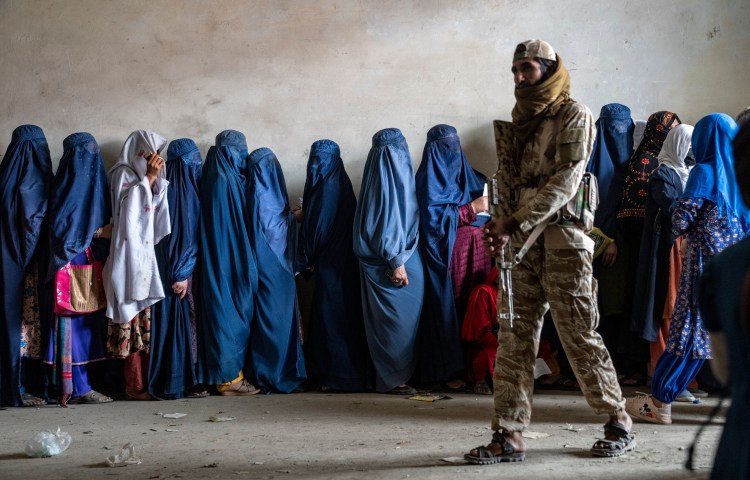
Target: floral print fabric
x=130, y=337
x=708, y=233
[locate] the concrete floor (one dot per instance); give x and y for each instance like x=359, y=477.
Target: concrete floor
x=337, y=436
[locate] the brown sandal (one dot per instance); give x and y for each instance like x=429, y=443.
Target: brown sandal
x=29, y=400
x=91, y=398
x=239, y=389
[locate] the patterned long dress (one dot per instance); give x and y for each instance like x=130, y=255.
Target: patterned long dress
x=708, y=233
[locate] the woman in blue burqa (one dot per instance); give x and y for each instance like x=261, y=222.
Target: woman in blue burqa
x=386, y=235
x=612, y=150
x=337, y=331
x=25, y=177
x=173, y=341
x=79, y=214
x=275, y=345
x=228, y=274
x=444, y=182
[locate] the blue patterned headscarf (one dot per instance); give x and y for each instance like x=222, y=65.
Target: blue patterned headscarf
x=80, y=201
x=713, y=177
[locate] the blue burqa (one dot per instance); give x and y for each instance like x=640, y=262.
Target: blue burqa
x=79, y=201
x=386, y=234
x=226, y=264
x=25, y=177
x=444, y=181
x=613, y=148
x=337, y=330
x=276, y=349
x=79, y=204
x=171, y=363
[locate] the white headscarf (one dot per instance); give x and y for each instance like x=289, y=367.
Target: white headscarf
x=139, y=144
x=674, y=150
x=140, y=218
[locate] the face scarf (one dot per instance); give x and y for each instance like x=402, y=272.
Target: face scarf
x=538, y=101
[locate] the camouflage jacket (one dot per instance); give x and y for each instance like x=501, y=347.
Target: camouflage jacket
x=546, y=174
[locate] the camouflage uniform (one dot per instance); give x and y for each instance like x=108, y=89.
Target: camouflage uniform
x=556, y=273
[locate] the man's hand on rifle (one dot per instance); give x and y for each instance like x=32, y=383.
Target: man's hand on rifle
x=497, y=233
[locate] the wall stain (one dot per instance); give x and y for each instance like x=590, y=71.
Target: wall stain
x=711, y=34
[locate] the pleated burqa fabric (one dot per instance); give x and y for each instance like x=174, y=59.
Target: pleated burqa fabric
x=276, y=349
x=25, y=178
x=608, y=162
x=226, y=263
x=336, y=334
x=79, y=204
x=386, y=235
x=444, y=181
x=172, y=361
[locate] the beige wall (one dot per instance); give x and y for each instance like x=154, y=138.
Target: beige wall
x=287, y=72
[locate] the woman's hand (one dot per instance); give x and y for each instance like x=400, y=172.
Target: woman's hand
x=180, y=288
x=480, y=204
x=399, y=277
x=609, y=255
x=298, y=214
x=153, y=166
x=105, y=231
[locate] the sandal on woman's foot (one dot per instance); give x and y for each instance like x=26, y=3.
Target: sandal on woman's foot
x=239, y=389
x=91, y=398
x=402, y=390
x=485, y=456
x=29, y=400
x=620, y=442
x=201, y=393
x=481, y=388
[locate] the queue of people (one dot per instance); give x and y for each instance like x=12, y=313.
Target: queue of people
x=186, y=270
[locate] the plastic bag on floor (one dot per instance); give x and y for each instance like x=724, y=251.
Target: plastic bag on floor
x=48, y=444
x=126, y=457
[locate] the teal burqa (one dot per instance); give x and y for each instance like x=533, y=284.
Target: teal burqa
x=386, y=235
x=276, y=351
x=226, y=264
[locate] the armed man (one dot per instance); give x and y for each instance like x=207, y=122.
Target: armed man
x=543, y=213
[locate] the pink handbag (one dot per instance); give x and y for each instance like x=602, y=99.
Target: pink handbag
x=79, y=288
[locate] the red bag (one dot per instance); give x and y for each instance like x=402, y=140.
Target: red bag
x=79, y=288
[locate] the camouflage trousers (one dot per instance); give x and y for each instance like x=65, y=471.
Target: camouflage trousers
x=562, y=281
